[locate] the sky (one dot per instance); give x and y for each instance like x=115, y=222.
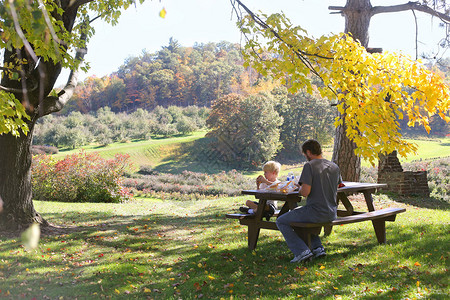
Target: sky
x=141, y=28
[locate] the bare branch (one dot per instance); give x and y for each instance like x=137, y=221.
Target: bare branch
x=53, y=104
x=19, y=31
x=301, y=55
x=411, y=6
x=417, y=32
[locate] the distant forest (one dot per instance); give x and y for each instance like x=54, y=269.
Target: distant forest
x=175, y=75
x=189, y=76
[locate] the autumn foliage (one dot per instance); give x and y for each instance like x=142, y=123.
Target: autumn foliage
x=80, y=177
x=245, y=129
x=373, y=91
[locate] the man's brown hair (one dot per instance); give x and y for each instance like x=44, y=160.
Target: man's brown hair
x=313, y=146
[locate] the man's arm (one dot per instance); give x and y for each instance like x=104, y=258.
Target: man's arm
x=304, y=190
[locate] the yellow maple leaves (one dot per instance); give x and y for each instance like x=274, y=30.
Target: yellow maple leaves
x=163, y=13
x=373, y=91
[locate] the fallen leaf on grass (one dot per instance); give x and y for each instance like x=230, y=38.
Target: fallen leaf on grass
x=228, y=285
x=30, y=237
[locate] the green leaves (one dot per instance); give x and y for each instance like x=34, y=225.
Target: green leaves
x=373, y=90
x=49, y=31
x=12, y=115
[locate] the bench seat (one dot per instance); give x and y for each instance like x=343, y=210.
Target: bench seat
x=247, y=216
x=378, y=218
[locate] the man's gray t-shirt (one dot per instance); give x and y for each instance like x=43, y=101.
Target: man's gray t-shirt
x=324, y=177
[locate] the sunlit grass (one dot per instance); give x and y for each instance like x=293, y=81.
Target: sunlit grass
x=149, y=152
x=158, y=249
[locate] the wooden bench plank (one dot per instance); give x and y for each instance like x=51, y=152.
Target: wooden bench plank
x=378, y=218
x=250, y=216
x=359, y=217
x=240, y=216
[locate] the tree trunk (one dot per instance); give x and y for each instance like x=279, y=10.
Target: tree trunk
x=357, y=15
x=15, y=152
x=15, y=189
x=344, y=155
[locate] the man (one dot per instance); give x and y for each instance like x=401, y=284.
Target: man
x=318, y=183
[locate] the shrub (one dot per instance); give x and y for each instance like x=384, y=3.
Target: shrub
x=437, y=175
x=190, y=185
x=42, y=149
x=80, y=177
x=147, y=170
x=186, y=125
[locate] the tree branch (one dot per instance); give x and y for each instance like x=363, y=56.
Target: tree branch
x=397, y=8
x=301, y=55
x=53, y=104
x=410, y=6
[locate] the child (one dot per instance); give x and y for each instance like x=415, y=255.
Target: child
x=271, y=170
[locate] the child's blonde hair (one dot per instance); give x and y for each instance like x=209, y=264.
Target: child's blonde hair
x=272, y=166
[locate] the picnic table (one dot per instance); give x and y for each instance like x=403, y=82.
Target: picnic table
x=255, y=222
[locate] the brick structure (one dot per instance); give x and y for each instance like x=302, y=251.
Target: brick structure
x=401, y=182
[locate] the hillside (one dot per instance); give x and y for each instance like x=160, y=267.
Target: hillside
x=176, y=154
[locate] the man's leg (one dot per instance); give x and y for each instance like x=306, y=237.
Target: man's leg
x=315, y=242
x=294, y=242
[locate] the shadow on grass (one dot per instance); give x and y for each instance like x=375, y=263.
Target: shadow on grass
x=421, y=201
x=196, y=156
x=163, y=255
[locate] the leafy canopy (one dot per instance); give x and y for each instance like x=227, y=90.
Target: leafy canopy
x=373, y=90
x=48, y=31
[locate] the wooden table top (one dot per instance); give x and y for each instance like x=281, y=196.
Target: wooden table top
x=349, y=187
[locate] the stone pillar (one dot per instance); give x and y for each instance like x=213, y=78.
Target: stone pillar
x=401, y=182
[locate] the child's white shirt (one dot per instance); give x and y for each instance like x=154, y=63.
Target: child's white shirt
x=264, y=186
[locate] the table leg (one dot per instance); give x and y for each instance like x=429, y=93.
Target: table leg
x=327, y=230
x=369, y=199
x=284, y=209
x=380, y=230
x=344, y=199
x=253, y=234
x=378, y=225
x=254, y=228
x=292, y=204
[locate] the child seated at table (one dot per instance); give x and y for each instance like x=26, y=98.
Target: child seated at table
x=271, y=170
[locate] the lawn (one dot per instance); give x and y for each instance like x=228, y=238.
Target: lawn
x=155, y=249
x=173, y=155
x=151, y=152
x=429, y=149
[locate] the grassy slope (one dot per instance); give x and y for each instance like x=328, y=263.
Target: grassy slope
x=157, y=249
x=154, y=152
x=153, y=249
x=171, y=154
x=429, y=149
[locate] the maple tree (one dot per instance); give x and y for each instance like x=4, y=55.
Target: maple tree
x=38, y=39
x=245, y=130
x=373, y=90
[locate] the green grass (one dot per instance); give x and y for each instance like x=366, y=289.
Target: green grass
x=429, y=149
x=173, y=155
x=152, y=152
x=169, y=250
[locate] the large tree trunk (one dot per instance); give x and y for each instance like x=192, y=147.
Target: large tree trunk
x=357, y=15
x=344, y=155
x=15, y=187
x=34, y=90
